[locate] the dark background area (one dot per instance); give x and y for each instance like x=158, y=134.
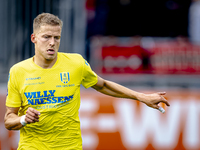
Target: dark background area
x=158, y=18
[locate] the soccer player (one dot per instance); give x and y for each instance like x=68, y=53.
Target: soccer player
x=44, y=92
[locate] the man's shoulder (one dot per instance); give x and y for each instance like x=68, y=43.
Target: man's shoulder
x=72, y=57
x=22, y=64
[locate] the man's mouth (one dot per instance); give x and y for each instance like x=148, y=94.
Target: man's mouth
x=51, y=51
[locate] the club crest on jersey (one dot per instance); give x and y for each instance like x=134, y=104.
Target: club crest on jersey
x=64, y=77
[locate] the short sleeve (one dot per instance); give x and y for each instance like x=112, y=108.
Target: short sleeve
x=89, y=77
x=13, y=96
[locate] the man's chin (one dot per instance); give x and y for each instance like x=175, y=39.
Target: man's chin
x=50, y=58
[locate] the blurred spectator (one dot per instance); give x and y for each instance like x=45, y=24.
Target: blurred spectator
x=141, y=45
x=97, y=12
x=194, y=22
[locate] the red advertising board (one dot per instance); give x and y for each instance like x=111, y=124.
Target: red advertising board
x=117, y=59
x=175, y=58
x=169, y=57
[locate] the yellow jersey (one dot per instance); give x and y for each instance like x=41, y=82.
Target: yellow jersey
x=55, y=93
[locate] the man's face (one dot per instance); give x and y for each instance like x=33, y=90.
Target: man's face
x=47, y=42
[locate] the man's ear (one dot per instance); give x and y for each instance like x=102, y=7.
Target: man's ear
x=33, y=38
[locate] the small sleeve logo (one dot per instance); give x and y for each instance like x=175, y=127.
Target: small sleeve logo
x=86, y=63
x=8, y=77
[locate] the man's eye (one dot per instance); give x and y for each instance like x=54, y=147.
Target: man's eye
x=46, y=37
x=57, y=38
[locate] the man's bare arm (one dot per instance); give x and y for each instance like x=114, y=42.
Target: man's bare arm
x=116, y=90
x=12, y=120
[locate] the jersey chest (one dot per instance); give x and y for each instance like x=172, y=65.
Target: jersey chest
x=53, y=79
x=50, y=86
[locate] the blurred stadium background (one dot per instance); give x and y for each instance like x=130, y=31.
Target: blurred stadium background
x=148, y=46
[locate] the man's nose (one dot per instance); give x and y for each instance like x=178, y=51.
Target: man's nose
x=52, y=42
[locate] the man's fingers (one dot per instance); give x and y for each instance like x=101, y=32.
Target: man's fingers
x=161, y=110
x=161, y=93
x=34, y=111
x=163, y=99
x=32, y=115
x=31, y=119
x=167, y=103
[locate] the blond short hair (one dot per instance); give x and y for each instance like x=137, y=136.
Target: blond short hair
x=46, y=19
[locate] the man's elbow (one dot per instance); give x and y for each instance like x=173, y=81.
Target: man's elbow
x=6, y=123
x=100, y=84
x=10, y=127
x=7, y=126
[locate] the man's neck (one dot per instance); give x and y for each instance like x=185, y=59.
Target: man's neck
x=45, y=64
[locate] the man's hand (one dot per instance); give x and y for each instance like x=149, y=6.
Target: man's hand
x=32, y=115
x=14, y=122
x=152, y=100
